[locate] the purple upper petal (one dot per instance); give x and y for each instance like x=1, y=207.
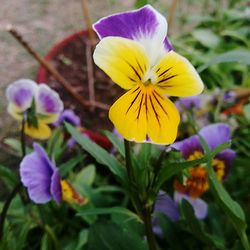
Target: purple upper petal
x=145, y=25
x=21, y=93
x=36, y=171
x=216, y=134
x=48, y=101
x=227, y=156
x=69, y=116
x=200, y=206
x=188, y=146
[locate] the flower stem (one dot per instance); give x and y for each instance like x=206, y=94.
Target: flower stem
x=148, y=228
x=143, y=211
x=128, y=161
x=16, y=188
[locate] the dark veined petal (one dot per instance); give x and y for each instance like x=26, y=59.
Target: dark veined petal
x=142, y=114
x=123, y=60
x=176, y=76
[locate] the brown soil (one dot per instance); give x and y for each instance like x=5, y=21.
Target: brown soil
x=71, y=62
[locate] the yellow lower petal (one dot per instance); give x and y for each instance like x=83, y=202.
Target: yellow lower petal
x=177, y=77
x=42, y=132
x=70, y=195
x=143, y=114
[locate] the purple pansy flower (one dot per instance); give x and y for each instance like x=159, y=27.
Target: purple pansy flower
x=214, y=135
x=40, y=176
x=168, y=206
x=39, y=105
x=69, y=116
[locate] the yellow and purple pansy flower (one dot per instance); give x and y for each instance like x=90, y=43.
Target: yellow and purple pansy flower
x=136, y=54
x=196, y=183
x=42, y=179
x=38, y=105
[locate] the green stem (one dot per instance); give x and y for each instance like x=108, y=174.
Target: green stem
x=148, y=228
x=50, y=232
x=128, y=161
x=244, y=241
x=16, y=188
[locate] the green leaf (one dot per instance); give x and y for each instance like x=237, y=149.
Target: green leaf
x=8, y=176
x=82, y=239
x=101, y=155
x=96, y=211
x=86, y=176
x=240, y=56
x=117, y=143
x=66, y=167
x=231, y=208
x=197, y=229
x=111, y=236
x=16, y=146
x=206, y=37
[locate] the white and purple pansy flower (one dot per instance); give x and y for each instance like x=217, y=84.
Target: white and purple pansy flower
x=42, y=179
x=136, y=54
x=169, y=206
x=191, y=149
x=37, y=105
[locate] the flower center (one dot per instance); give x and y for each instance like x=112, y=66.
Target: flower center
x=196, y=183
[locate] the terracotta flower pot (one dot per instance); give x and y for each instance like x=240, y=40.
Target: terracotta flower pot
x=73, y=68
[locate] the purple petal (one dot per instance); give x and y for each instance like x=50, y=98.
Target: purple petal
x=229, y=96
x=145, y=25
x=21, y=93
x=55, y=188
x=200, y=206
x=227, y=156
x=36, y=176
x=165, y=204
x=216, y=134
x=188, y=146
x=48, y=101
x=189, y=102
x=69, y=116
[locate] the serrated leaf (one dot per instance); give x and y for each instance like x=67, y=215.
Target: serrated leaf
x=101, y=155
x=117, y=143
